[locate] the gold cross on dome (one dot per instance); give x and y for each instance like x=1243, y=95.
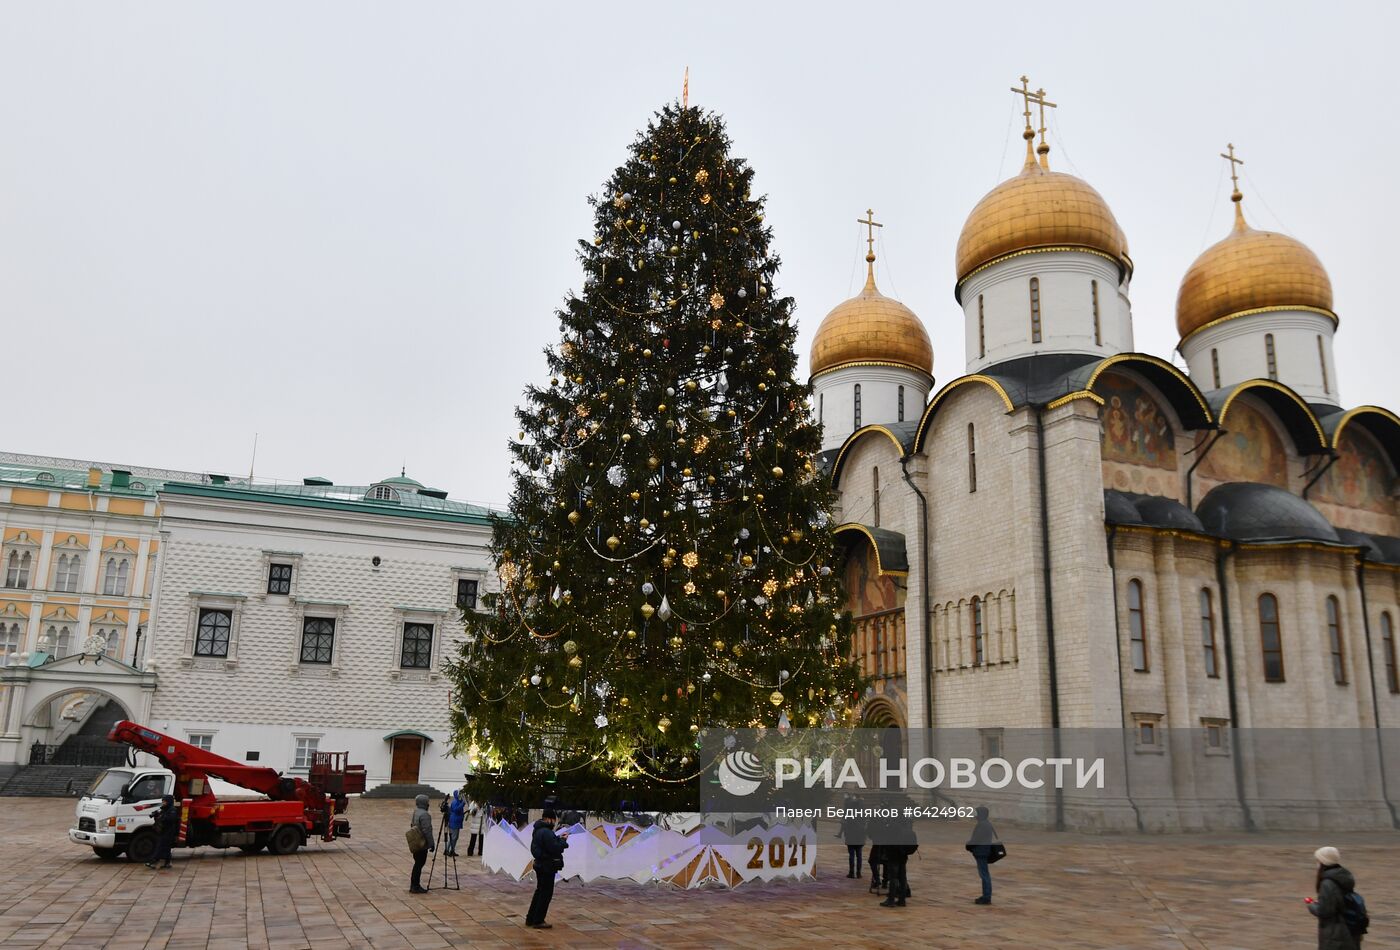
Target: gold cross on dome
x=1025, y=93
x=1234, y=165
x=870, y=225
x=1038, y=97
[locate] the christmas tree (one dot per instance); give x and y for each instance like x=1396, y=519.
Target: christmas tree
x=665, y=564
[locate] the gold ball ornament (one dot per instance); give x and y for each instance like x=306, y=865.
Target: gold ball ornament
x=626, y=437
x=646, y=354
x=671, y=180
x=570, y=647
x=719, y=646
x=777, y=471
x=663, y=724
x=653, y=461
x=644, y=524
x=631, y=635
x=613, y=542
x=776, y=698
x=746, y=560
x=648, y=610
x=619, y=281
x=624, y=702
x=575, y=661
x=574, y=517
x=635, y=496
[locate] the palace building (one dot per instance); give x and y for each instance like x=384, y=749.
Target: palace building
x=264, y=621
x=1072, y=534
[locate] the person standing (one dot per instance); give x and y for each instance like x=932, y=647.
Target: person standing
x=983, y=841
x=476, y=823
x=547, y=848
x=899, y=843
x=167, y=820
x=456, y=815
x=423, y=823
x=853, y=831
x=1335, y=891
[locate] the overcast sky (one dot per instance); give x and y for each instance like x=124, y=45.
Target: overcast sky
x=346, y=226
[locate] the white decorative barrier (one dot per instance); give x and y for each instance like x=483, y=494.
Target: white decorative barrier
x=704, y=855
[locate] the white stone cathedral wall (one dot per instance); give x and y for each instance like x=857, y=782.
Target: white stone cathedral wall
x=1239, y=346
x=833, y=399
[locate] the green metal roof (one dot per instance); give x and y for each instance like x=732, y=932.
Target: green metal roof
x=409, y=504
x=71, y=479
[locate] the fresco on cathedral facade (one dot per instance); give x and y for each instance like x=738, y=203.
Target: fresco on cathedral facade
x=1132, y=427
x=867, y=590
x=1361, y=477
x=1251, y=450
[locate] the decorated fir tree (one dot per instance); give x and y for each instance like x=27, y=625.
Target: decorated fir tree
x=665, y=565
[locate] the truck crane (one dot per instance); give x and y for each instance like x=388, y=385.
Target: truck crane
x=115, y=815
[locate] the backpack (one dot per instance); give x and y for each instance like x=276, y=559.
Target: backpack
x=1354, y=913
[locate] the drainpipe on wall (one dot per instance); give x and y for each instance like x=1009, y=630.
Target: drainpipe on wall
x=1118, y=658
x=928, y=596
x=1220, y=433
x=1331, y=460
x=1222, y=554
x=1375, y=701
x=1039, y=409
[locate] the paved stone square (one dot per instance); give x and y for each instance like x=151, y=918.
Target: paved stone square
x=1065, y=892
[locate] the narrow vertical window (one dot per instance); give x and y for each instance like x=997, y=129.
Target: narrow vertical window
x=901, y=403
x=875, y=494
x=971, y=458
x=1322, y=361
x=1215, y=367
x=857, y=405
x=1212, y=658
x=1270, y=639
x=979, y=636
x=1137, y=626
x=1270, y=355
x=821, y=407
x=1392, y=672
x=981, y=326
x=1098, y=329
x=1335, y=642
x=1035, y=309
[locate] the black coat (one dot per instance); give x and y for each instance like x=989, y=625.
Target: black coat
x=167, y=819
x=1332, y=930
x=547, y=848
x=853, y=830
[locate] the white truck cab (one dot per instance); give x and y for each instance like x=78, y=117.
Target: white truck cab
x=114, y=815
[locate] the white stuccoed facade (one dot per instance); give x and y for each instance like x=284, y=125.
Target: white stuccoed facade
x=996, y=304
x=1235, y=350
x=218, y=546
x=834, y=398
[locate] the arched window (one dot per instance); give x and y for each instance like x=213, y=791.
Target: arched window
x=857, y=398
x=9, y=643
x=109, y=577
x=971, y=458
x=66, y=578
x=1137, y=627
x=875, y=494
x=1215, y=367
x=64, y=644
x=901, y=403
x=17, y=570
x=979, y=634
x=1270, y=355
x=123, y=575
x=1098, y=329
x=1322, y=362
x=383, y=493
x=981, y=326
x=1392, y=672
x=1335, y=642
x=1270, y=638
x=114, y=641
x=1212, y=659
x=1035, y=309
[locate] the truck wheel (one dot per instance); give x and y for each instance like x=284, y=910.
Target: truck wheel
x=285, y=840
x=107, y=854
x=142, y=847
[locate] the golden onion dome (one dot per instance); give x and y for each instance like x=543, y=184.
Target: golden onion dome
x=1039, y=210
x=1248, y=272
x=871, y=329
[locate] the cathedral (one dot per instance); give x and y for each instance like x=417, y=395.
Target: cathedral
x=1075, y=536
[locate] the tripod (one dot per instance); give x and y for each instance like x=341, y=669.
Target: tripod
x=450, y=879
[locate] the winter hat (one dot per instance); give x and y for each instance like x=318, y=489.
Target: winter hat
x=1328, y=856
x=548, y=813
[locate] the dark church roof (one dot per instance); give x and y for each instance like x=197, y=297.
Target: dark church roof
x=1247, y=511
x=890, y=551
x=1154, y=510
x=1363, y=541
